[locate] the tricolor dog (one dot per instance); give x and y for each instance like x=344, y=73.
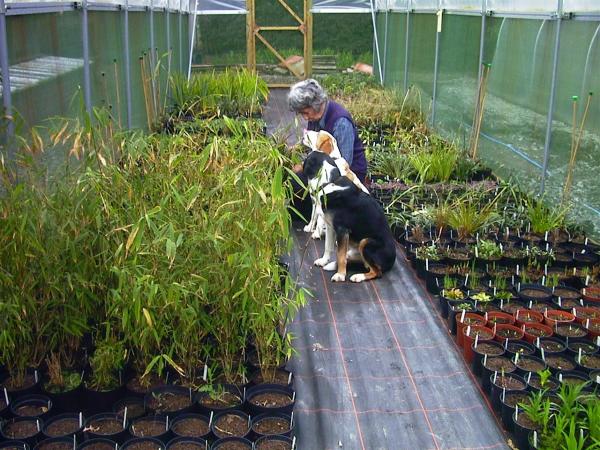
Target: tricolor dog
x=354, y=221
x=324, y=142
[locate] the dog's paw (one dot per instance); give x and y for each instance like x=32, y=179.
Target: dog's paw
x=331, y=266
x=307, y=228
x=321, y=262
x=358, y=278
x=316, y=235
x=338, y=277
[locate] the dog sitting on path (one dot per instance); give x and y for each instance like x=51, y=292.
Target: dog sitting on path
x=354, y=221
x=324, y=142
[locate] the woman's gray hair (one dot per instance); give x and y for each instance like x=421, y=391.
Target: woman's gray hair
x=305, y=94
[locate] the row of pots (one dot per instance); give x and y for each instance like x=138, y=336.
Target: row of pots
x=117, y=428
x=167, y=402
x=82, y=398
x=178, y=443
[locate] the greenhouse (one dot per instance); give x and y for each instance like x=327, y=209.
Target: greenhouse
x=299, y=224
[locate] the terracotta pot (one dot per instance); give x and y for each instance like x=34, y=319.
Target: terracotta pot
x=526, y=316
x=499, y=317
x=530, y=329
x=516, y=333
x=591, y=293
x=553, y=316
x=469, y=319
x=484, y=333
x=593, y=327
x=583, y=313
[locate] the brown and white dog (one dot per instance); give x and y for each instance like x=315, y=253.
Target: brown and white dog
x=322, y=141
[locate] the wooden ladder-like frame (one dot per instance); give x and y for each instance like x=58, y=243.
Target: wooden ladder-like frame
x=305, y=26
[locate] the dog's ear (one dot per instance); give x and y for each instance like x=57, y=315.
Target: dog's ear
x=324, y=142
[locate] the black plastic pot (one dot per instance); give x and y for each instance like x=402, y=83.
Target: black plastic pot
x=528, y=358
x=214, y=428
x=152, y=443
x=162, y=422
x=254, y=409
x=479, y=355
x=101, y=401
x=40, y=402
x=57, y=443
x=487, y=373
x=135, y=407
x=508, y=406
x=226, y=389
x=521, y=434
x=285, y=418
x=551, y=345
x=219, y=443
x=522, y=347
x=283, y=377
x=574, y=376
x=67, y=401
x=30, y=439
x=262, y=441
x=533, y=383
x=191, y=417
x=496, y=389
x=32, y=375
x=13, y=445
x=119, y=437
x=187, y=443
x=99, y=443
x=152, y=397
x=75, y=418
x=453, y=310
x=534, y=293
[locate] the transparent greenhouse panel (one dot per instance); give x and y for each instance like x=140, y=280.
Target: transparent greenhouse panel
x=221, y=6
x=578, y=66
x=46, y=69
x=517, y=95
x=462, y=5
x=396, y=5
x=421, y=59
x=581, y=6
x=394, y=52
x=107, y=63
x=424, y=5
x=341, y=6
x=520, y=6
x=457, y=77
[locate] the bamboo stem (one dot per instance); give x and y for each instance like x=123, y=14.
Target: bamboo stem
x=575, y=143
x=144, y=88
x=485, y=77
x=567, y=185
x=117, y=91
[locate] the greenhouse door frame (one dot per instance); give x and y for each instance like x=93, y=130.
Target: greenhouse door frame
x=253, y=32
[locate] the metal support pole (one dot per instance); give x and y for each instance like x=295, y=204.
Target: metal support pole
x=407, y=48
x=153, y=57
x=180, y=38
x=127, y=63
x=552, y=98
x=385, y=41
x=482, y=40
x=435, y=64
x=189, y=73
x=169, y=52
x=376, y=41
x=4, y=68
x=87, y=90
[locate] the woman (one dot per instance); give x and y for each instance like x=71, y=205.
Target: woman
x=308, y=99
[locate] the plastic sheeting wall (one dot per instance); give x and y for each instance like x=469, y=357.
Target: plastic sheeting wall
x=513, y=134
x=45, y=58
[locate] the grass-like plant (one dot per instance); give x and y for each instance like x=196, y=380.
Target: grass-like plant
x=543, y=218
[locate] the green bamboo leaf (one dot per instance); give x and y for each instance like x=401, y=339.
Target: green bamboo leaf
x=171, y=248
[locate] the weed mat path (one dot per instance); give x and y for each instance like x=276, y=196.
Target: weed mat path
x=375, y=367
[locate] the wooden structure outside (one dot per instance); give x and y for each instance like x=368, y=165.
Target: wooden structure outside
x=253, y=33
